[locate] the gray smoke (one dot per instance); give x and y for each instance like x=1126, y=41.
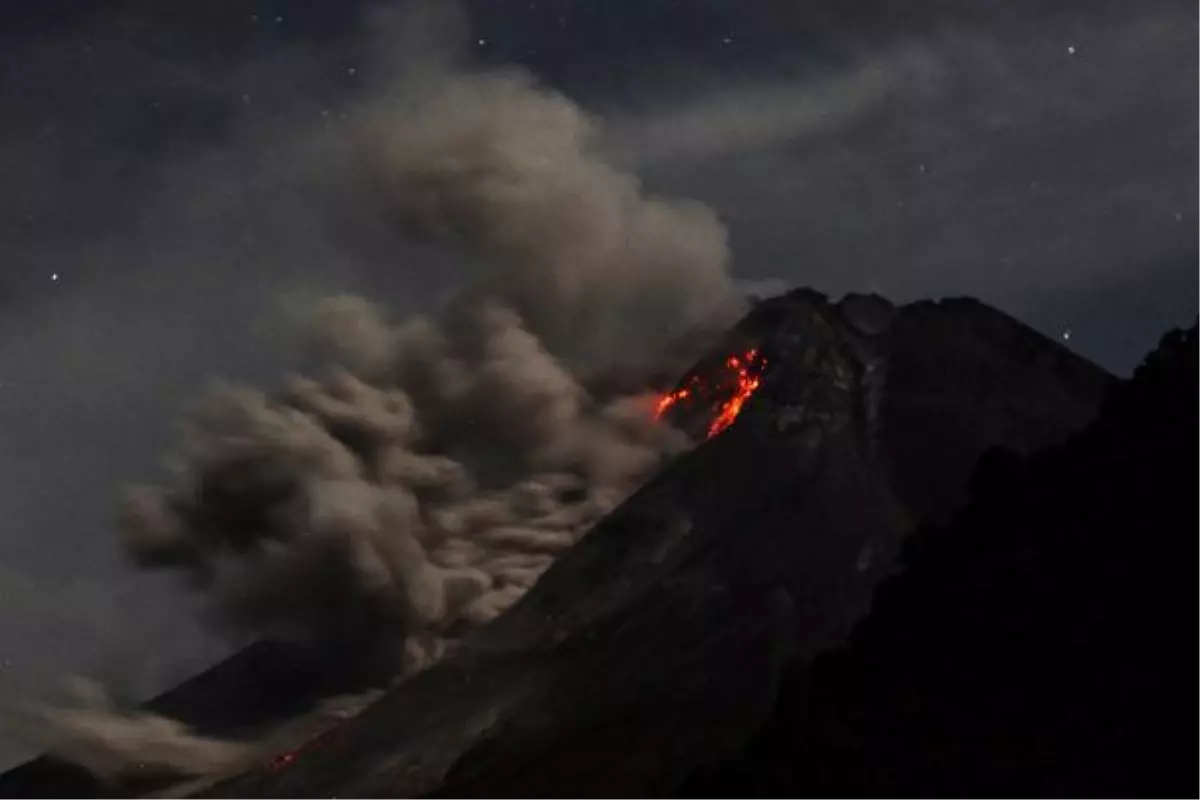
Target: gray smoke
x=432, y=469
x=114, y=743
x=570, y=243
x=425, y=472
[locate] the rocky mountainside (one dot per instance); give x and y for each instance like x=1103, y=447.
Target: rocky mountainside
x=655, y=645
x=1035, y=646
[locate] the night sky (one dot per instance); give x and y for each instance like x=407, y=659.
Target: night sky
x=160, y=222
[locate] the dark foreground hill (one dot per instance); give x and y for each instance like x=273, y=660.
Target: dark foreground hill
x=1040, y=645
x=655, y=646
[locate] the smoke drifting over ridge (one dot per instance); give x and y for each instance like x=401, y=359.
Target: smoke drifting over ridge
x=425, y=474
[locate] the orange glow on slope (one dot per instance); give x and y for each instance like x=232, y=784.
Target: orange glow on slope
x=668, y=400
x=285, y=760
x=282, y=761
x=745, y=374
x=747, y=382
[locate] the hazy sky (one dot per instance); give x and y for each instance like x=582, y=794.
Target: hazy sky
x=166, y=205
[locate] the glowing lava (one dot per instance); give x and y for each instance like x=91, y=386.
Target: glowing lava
x=744, y=374
x=747, y=372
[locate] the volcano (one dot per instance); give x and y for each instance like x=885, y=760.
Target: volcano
x=829, y=431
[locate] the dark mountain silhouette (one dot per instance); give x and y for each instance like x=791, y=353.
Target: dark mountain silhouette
x=1038, y=645
x=655, y=646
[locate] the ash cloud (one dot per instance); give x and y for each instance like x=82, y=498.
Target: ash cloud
x=113, y=743
x=426, y=471
x=435, y=466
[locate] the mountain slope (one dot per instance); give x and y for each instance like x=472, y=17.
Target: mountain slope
x=653, y=646
x=1035, y=646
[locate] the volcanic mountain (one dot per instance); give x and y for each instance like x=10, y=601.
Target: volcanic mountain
x=829, y=431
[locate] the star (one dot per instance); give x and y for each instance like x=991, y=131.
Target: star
x=54, y=277
x=1070, y=49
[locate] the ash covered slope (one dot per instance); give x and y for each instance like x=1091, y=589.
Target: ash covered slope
x=654, y=645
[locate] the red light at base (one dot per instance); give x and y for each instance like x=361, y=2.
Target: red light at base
x=281, y=761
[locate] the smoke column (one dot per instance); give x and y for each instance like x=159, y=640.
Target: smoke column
x=433, y=468
x=427, y=471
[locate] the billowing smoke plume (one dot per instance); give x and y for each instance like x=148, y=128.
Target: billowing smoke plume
x=392, y=503
x=600, y=273
x=424, y=480
x=423, y=477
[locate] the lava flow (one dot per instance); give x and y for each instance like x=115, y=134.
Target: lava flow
x=744, y=374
